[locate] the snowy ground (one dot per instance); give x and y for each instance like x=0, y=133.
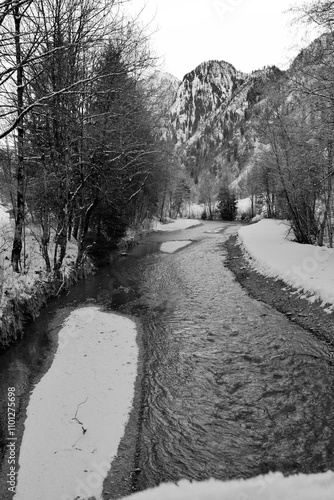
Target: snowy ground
x=78, y=411
x=244, y=206
x=307, y=268
x=269, y=487
x=4, y=216
x=176, y=225
x=13, y=284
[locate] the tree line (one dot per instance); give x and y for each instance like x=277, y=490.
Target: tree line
x=294, y=168
x=80, y=153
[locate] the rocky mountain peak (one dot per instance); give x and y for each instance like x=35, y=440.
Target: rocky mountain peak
x=202, y=91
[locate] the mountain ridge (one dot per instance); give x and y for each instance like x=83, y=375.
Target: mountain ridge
x=211, y=118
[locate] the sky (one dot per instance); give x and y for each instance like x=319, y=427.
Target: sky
x=249, y=34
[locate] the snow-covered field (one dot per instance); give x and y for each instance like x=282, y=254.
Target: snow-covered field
x=269, y=487
x=308, y=268
x=78, y=411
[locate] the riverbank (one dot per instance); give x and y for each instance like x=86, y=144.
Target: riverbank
x=268, y=487
x=25, y=295
x=293, y=302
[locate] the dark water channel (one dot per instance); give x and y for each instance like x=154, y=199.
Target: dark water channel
x=231, y=387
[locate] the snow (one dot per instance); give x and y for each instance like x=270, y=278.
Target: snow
x=92, y=378
x=15, y=285
x=173, y=246
x=270, y=487
x=193, y=210
x=244, y=206
x=176, y=225
x=4, y=216
x=308, y=268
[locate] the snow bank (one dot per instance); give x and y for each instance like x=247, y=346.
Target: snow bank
x=4, y=215
x=244, y=206
x=23, y=285
x=307, y=268
x=176, y=225
x=269, y=487
x=78, y=411
x=173, y=246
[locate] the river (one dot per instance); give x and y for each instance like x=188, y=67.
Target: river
x=231, y=388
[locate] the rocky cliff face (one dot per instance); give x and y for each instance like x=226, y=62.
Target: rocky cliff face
x=211, y=120
x=203, y=92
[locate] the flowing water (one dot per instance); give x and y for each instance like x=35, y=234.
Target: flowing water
x=231, y=388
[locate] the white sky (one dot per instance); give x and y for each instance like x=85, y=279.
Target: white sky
x=249, y=34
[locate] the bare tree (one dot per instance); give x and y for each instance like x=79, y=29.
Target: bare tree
x=46, y=61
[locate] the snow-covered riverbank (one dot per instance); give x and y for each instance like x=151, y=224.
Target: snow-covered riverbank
x=23, y=294
x=269, y=487
x=308, y=268
x=78, y=411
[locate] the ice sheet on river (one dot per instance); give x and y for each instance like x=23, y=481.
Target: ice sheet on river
x=78, y=411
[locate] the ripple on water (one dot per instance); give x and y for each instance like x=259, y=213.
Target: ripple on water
x=233, y=388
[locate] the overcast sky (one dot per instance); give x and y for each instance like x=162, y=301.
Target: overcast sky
x=249, y=34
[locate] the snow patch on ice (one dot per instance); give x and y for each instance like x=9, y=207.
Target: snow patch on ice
x=78, y=411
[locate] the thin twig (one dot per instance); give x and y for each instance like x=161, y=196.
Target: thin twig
x=75, y=417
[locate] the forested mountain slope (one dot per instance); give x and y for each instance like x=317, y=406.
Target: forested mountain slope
x=212, y=117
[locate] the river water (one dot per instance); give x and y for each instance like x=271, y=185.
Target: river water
x=231, y=388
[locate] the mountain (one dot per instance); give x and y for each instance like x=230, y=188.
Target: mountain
x=203, y=91
x=168, y=85
x=161, y=89
x=211, y=121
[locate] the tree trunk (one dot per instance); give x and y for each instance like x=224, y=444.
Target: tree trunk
x=84, y=230
x=20, y=174
x=61, y=241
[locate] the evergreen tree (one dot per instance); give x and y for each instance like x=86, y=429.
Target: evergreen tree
x=226, y=203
